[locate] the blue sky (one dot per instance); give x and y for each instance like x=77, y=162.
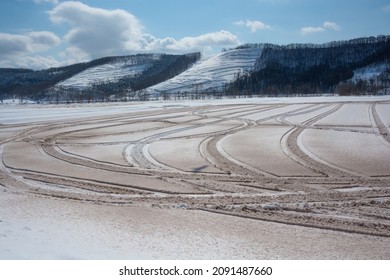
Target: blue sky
x=46, y=33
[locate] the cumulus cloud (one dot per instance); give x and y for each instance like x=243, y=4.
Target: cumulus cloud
x=15, y=44
x=73, y=55
x=43, y=40
x=96, y=31
x=254, y=25
x=310, y=30
x=327, y=25
x=99, y=32
x=203, y=42
x=21, y=50
x=30, y=62
x=11, y=44
x=331, y=26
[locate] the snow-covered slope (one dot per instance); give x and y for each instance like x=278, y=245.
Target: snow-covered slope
x=371, y=71
x=110, y=72
x=211, y=73
x=103, y=73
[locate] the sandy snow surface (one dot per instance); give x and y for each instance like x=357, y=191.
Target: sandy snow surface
x=282, y=178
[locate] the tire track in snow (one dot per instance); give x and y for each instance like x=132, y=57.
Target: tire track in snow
x=383, y=129
x=291, y=145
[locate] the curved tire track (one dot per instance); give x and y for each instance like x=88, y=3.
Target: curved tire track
x=383, y=129
x=290, y=145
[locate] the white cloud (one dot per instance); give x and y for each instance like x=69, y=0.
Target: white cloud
x=20, y=50
x=254, y=25
x=99, y=32
x=96, y=31
x=17, y=44
x=47, y=1
x=331, y=26
x=12, y=44
x=203, y=42
x=73, y=55
x=43, y=40
x=327, y=25
x=310, y=30
x=34, y=62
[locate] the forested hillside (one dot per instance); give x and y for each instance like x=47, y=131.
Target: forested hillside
x=310, y=68
x=94, y=80
x=30, y=84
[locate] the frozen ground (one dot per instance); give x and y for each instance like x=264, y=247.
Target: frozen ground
x=286, y=178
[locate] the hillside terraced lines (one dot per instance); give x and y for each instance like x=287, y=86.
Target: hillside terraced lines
x=212, y=72
x=104, y=73
x=310, y=164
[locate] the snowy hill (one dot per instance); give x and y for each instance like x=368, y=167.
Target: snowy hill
x=130, y=72
x=211, y=73
x=110, y=72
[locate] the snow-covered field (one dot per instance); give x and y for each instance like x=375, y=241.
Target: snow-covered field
x=261, y=149
x=282, y=178
x=349, y=115
x=362, y=153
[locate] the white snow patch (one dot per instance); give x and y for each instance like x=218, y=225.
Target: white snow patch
x=16, y=101
x=371, y=71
